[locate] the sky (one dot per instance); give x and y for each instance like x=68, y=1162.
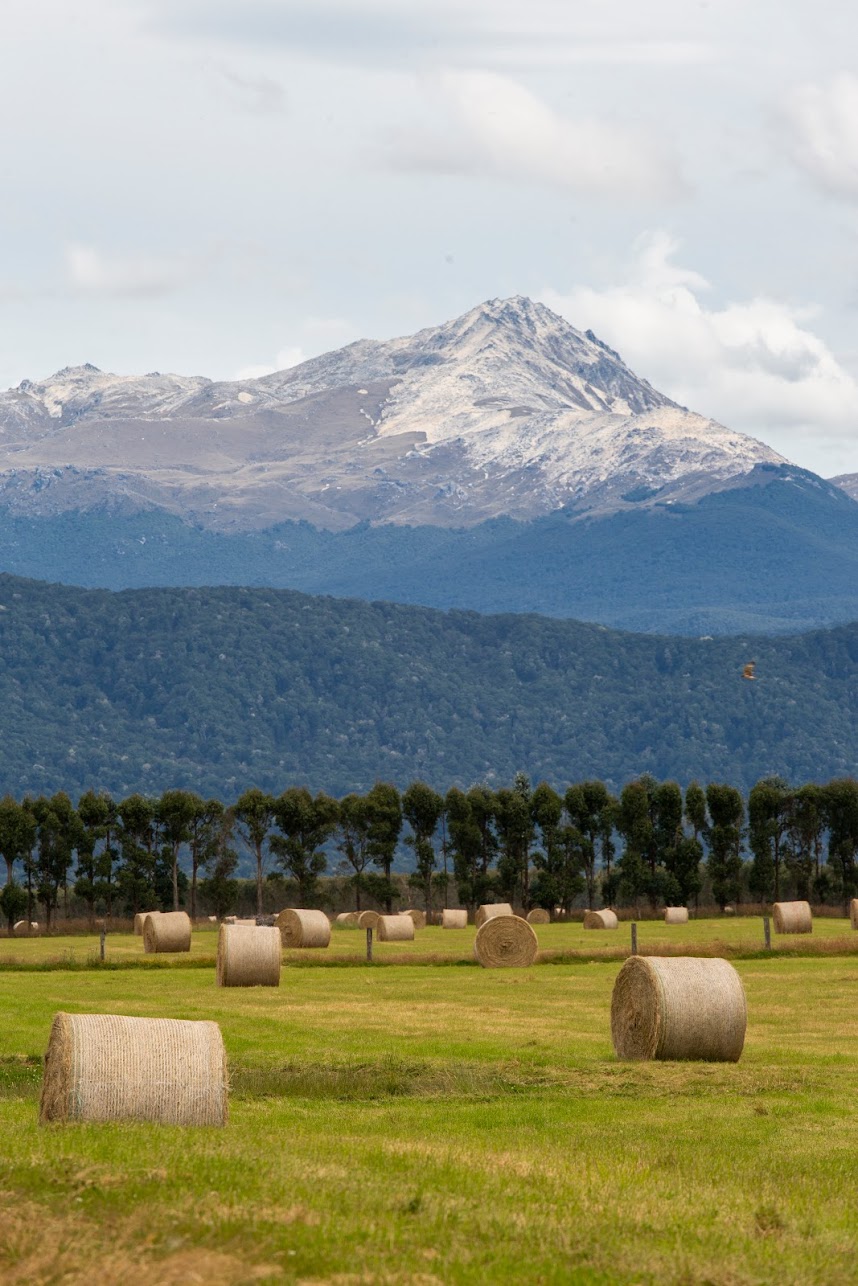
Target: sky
x=226, y=187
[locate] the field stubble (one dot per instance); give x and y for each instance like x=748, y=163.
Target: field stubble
x=429, y=1125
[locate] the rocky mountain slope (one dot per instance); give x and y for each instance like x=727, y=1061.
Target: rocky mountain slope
x=505, y=411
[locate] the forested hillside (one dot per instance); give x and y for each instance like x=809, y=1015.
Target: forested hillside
x=217, y=690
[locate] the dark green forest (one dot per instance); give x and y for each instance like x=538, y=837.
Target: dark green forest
x=215, y=690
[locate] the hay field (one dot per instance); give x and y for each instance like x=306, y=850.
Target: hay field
x=426, y=1124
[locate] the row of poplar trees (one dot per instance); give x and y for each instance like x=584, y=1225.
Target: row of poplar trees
x=530, y=845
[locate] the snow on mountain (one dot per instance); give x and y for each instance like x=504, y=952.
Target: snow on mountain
x=507, y=409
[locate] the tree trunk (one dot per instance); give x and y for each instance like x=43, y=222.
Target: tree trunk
x=259, y=880
x=175, y=877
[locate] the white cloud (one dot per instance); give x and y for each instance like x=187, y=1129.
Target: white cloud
x=754, y=365
x=256, y=94
x=500, y=129
x=92, y=272
x=823, y=121
x=284, y=359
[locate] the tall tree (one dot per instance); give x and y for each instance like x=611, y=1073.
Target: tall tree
x=58, y=832
x=840, y=802
x=769, y=803
x=422, y=808
x=174, y=813
x=97, y=850
x=254, y=812
x=473, y=844
x=205, y=834
x=353, y=841
x=17, y=833
x=592, y=811
x=560, y=856
x=726, y=812
x=805, y=826
x=384, y=810
x=137, y=878
x=306, y=823
x=516, y=833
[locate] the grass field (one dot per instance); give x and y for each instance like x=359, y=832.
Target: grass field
x=426, y=1124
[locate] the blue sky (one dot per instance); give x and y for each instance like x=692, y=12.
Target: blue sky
x=226, y=186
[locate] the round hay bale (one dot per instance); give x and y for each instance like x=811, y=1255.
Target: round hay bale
x=248, y=956
x=676, y=915
x=34, y=929
x=792, y=917
x=853, y=913
x=418, y=918
x=347, y=920
x=538, y=916
x=678, y=1007
x=488, y=909
x=304, y=928
x=395, y=928
x=505, y=942
x=103, y=1067
x=604, y=919
x=454, y=919
x=212, y=919
x=167, y=931
x=368, y=919
x=139, y=919
x=22, y=928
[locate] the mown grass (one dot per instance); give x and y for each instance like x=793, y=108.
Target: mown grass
x=434, y=1125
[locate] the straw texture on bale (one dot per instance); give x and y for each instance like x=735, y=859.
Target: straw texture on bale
x=853, y=913
x=454, y=919
x=489, y=909
x=368, y=919
x=347, y=920
x=605, y=919
x=139, y=920
x=792, y=917
x=395, y=928
x=538, y=916
x=167, y=931
x=26, y=929
x=248, y=955
x=678, y=1007
x=103, y=1067
x=304, y=928
x=676, y=915
x=418, y=917
x=505, y=942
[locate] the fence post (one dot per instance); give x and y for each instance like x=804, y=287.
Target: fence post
x=101, y=944
x=369, y=945
x=634, y=939
x=767, y=932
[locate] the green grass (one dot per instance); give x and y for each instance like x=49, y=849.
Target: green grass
x=425, y=1124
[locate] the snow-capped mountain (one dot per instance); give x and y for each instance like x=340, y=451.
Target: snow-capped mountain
x=507, y=410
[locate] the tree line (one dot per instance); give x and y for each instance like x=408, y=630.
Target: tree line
x=531, y=845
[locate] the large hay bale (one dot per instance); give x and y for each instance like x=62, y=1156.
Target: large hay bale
x=488, y=909
x=418, y=917
x=304, y=928
x=167, y=931
x=347, y=920
x=454, y=919
x=395, y=928
x=604, y=919
x=23, y=928
x=678, y=1007
x=248, y=955
x=538, y=916
x=505, y=942
x=103, y=1067
x=139, y=920
x=676, y=915
x=368, y=919
x=853, y=913
x=792, y=917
